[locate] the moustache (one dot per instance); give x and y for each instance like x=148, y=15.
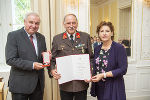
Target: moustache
x=72, y=28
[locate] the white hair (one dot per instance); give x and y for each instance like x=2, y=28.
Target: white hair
x=70, y=15
x=30, y=13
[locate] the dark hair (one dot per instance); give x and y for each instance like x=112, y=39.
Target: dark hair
x=104, y=23
x=126, y=43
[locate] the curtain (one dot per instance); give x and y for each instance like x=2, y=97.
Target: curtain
x=46, y=11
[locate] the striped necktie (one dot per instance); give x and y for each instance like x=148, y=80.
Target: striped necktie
x=31, y=39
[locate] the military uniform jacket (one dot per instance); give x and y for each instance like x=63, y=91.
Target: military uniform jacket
x=62, y=46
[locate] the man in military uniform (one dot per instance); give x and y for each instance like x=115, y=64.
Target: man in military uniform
x=70, y=42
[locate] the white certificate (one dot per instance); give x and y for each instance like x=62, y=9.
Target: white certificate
x=73, y=67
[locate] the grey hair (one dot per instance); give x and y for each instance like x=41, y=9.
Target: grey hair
x=30, y=13
x=70, y=15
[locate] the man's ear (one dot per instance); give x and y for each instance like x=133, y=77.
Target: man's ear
x=24, y=21
x=63, y=23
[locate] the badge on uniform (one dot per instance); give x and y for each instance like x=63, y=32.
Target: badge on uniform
x=81, y=46
x=62, y=47
x=83, y=51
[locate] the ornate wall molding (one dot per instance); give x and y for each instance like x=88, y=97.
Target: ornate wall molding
x=145, y=50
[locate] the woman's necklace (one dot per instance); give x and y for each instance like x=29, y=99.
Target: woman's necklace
x=106, y=46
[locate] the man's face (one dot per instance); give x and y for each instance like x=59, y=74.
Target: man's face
x=98, y=40
x=70, y=24
x=32, y=23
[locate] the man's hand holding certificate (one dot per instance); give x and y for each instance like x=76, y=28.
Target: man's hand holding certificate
x=73, y=67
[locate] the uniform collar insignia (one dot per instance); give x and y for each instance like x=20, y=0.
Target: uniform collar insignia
x=77, y=35
x=65, y=35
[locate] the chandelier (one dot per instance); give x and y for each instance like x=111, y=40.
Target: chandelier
x=147, y=2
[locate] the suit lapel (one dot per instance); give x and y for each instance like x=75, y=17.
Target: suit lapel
x=38, y=44
x=25, y=36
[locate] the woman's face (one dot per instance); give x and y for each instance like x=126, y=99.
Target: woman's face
x=105, y=33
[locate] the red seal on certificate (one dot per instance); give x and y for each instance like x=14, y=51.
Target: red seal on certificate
x=46, y=58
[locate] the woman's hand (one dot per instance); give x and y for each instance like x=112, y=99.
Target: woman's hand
x=97, y=77
x=87, y=81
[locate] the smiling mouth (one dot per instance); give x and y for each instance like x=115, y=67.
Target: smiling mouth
x=71, y=28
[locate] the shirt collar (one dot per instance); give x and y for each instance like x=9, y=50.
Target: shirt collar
x=72, y=34
x=34, y=36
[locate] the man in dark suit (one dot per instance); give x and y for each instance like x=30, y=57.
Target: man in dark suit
x=97, y=43
x=70, y=42
x=23, y=54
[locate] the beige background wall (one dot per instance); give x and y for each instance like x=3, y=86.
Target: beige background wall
x=107, y=11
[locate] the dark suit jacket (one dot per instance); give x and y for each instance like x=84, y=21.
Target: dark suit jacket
x=20, y=55
x=117, y=63
x=64, y=47
x=96, y=44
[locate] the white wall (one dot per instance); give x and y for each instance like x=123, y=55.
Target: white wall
x=137, y=78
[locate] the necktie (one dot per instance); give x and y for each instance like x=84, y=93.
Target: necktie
x=71, y=39
x=31, y=39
